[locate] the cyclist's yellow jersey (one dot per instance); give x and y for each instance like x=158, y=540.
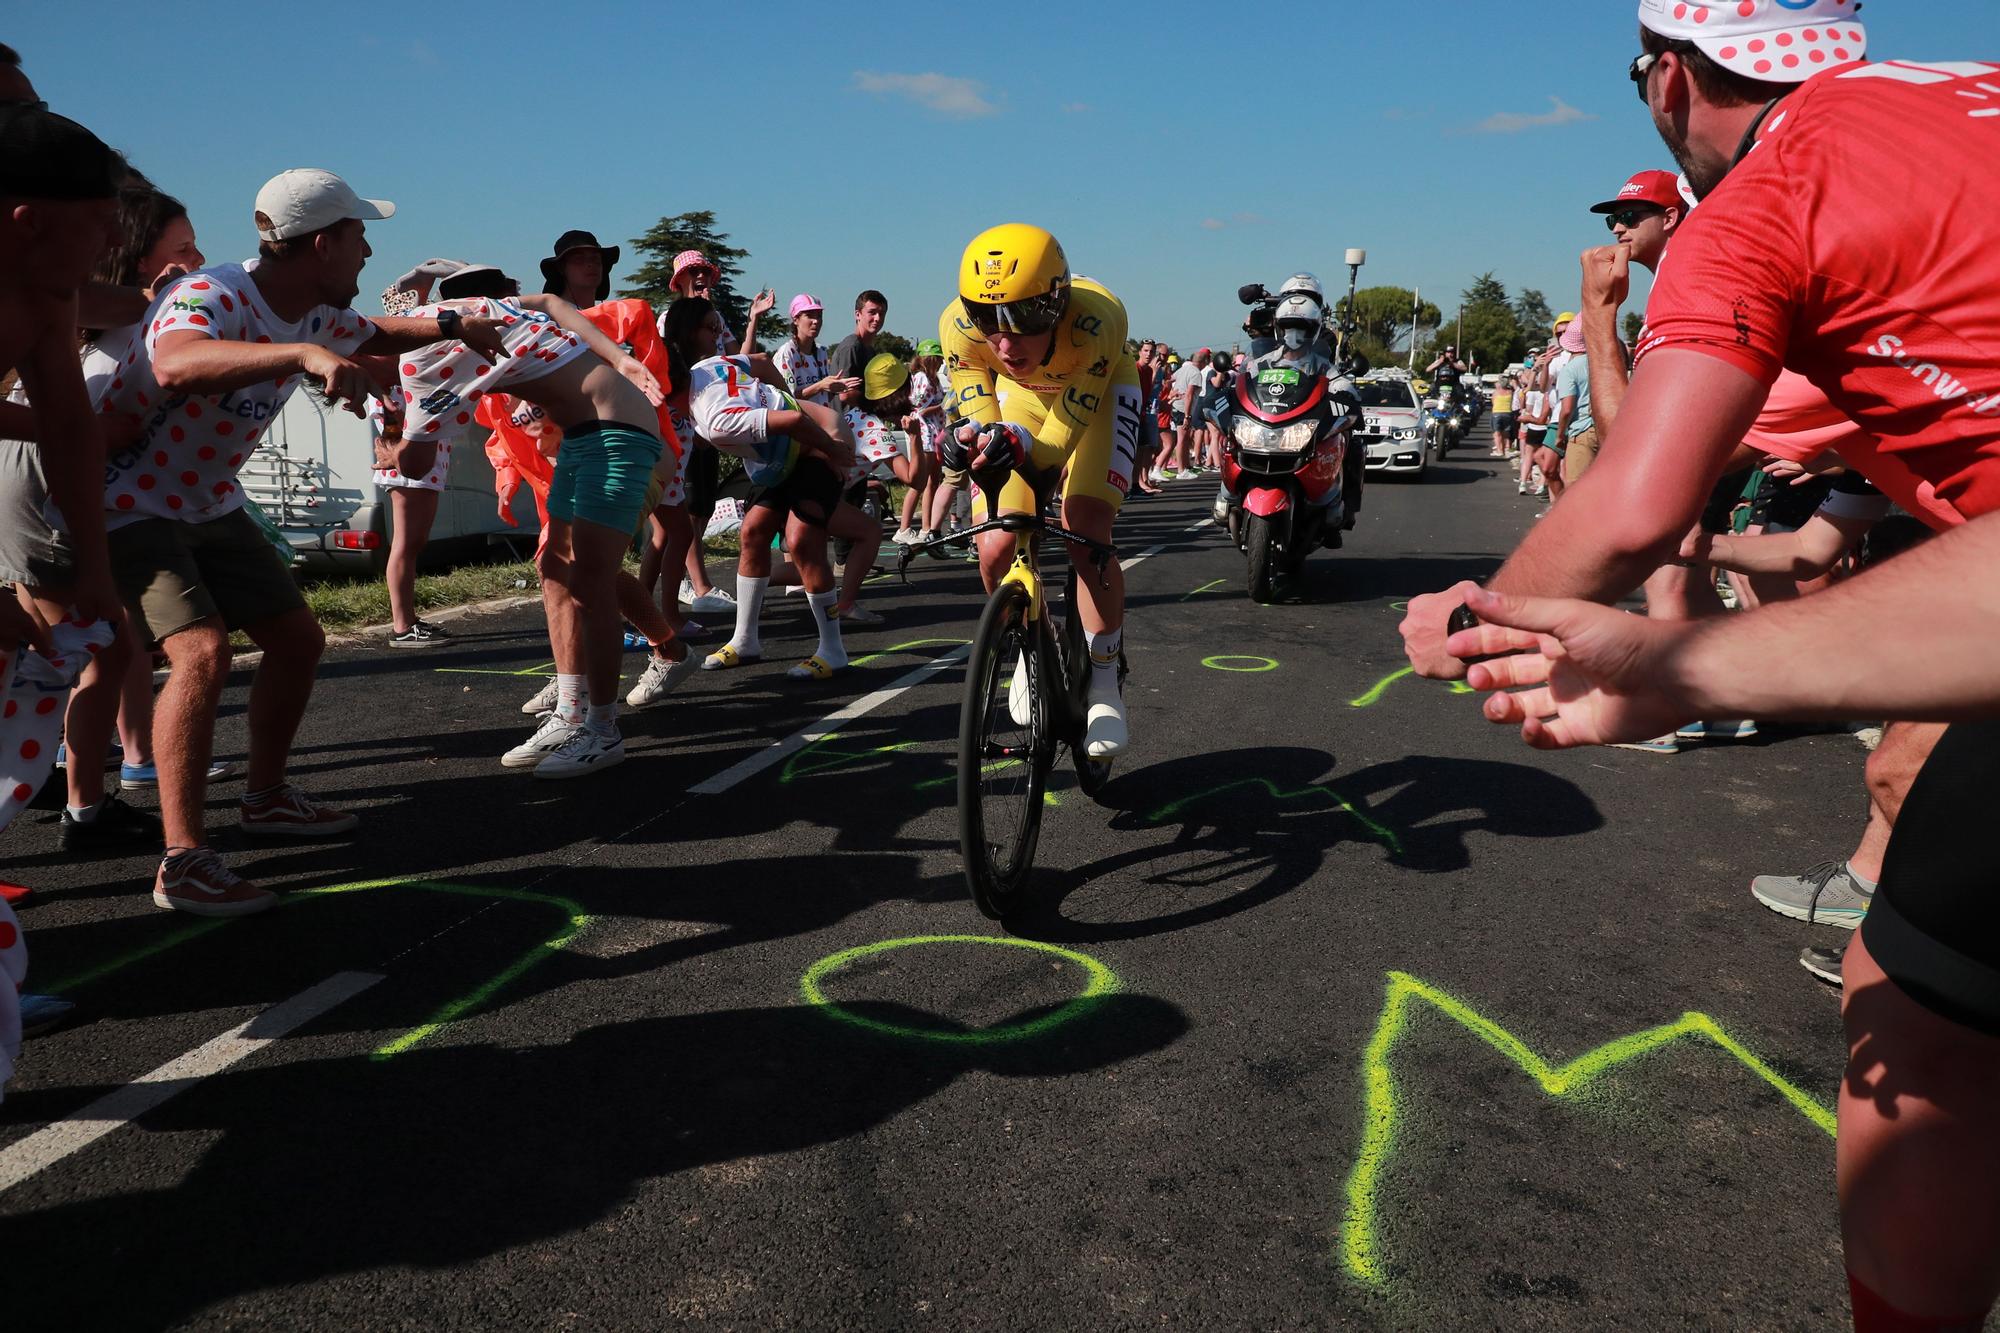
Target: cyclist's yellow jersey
x=1081, y=403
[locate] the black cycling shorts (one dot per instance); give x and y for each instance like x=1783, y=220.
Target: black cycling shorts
x=1934, y=926
x=702, y=479
x=810, y=494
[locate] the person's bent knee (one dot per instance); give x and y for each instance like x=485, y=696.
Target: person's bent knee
x=200, y=651
x=295, y=636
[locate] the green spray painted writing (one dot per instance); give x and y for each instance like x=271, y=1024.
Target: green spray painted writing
x=1360, y=1245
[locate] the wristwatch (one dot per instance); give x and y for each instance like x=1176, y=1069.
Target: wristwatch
x=449, y=322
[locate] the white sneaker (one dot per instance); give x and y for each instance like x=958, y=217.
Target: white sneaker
x=715, y=599
x=1104, y=732
x=1019, y=701
x=585, y=752
x=543, y=700
x=686, y=593
x=907, y=537
x=548, y=738
x=660, y=678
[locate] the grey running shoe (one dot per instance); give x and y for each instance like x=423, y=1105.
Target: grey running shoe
x=1824, y=963
x=1826, y=895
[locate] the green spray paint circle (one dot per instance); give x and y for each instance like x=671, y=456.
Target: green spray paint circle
x=1102, y=981
x=1263, y=663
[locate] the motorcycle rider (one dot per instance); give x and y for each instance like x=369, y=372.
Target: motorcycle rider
x=1300, y=325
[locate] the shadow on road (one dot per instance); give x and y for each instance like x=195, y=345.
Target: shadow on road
x=446, y=1156
x=1254, y=824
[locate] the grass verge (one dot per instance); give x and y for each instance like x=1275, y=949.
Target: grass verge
x=345, y=604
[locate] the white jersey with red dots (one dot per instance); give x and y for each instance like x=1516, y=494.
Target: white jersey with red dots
x=443, y=382
x=184, y=463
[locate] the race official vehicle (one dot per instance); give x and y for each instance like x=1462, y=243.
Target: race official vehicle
x=1392, y=433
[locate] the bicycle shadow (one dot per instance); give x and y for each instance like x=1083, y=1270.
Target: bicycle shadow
x=1258, y=823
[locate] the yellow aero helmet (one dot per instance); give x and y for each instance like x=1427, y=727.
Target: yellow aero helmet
x=882, y=376
x=1014, y=277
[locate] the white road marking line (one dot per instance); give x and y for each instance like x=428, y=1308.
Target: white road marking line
x=1146, y=554
x=779, y=751
x=50, y=1144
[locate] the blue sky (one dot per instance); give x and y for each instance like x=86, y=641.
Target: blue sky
x=862, y=146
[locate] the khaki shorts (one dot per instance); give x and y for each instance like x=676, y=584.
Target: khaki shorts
x=1582, y=453
x=174, y=575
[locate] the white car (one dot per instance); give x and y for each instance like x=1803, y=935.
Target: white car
x=1392, y=430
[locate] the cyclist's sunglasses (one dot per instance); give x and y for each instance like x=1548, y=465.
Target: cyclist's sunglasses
x=1629, y=218
x=1641, y=67
x=1036, y=314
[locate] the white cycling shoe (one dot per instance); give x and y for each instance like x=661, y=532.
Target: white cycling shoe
x=1104, y=732
x=1019, y=702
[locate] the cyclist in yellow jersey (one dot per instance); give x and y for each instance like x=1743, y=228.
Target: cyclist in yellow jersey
x=1038, y=364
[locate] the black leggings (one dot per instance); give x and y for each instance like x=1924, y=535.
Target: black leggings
x=1934, y=926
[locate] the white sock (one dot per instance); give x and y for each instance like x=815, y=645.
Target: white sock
x=831, y=650
x=85, y=814
x=1104, y=659
x=569, y=697
x=749, y=602
x=1865, y=885
x=603, y=718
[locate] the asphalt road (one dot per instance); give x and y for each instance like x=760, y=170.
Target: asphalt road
x=1386, y=1020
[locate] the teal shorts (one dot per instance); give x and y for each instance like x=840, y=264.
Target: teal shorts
x=601, y=474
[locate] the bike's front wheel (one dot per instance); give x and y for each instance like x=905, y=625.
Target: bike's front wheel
x=1003, y=753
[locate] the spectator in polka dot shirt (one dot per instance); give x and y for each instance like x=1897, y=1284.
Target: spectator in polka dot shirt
x=204, y=372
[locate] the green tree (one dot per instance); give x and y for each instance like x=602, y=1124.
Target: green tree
x=1532, y=313
x=1635, y=324
x=1383, y=314
x=696, y=231
x=1492, y=335
x=886, y=341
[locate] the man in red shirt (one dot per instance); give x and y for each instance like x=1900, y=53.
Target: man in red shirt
x=1842, y=234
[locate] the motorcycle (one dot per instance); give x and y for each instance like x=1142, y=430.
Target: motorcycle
x=1283, y=461
x=1445, y=424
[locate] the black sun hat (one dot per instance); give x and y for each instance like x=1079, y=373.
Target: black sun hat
x=577, y=240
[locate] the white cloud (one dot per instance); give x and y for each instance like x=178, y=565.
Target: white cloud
x=1213, y=224
x=1074, y=108
x=945, y=94
x=1514, y=122
x=1246, y=219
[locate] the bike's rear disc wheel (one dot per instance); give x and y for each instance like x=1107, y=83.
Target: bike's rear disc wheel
x=1002, y=764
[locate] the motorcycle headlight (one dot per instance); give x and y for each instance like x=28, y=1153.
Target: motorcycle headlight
x=1252, y=434
x=1298, y=436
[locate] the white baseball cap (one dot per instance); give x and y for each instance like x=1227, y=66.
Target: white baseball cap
x=1776, y=41
x=302, y=200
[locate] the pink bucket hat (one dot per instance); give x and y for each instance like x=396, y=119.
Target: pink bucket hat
x=688, y=259
x=1778, y=41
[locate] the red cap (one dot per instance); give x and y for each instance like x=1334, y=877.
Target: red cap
x=1659, y=188
x=1203, y=352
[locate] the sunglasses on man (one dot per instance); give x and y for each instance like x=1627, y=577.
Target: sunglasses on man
x=1641, y=67
x=1629, y=218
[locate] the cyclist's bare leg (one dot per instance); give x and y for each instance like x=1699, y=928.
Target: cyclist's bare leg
x=1918, y=1152
x=1101, y=596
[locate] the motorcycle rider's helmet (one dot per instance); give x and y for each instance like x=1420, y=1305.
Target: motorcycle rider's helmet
x=1299, y=319
x=1303, y=282
x=1013, y=278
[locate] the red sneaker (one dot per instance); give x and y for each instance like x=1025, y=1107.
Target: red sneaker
x=198, y=883
x=290, y=813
